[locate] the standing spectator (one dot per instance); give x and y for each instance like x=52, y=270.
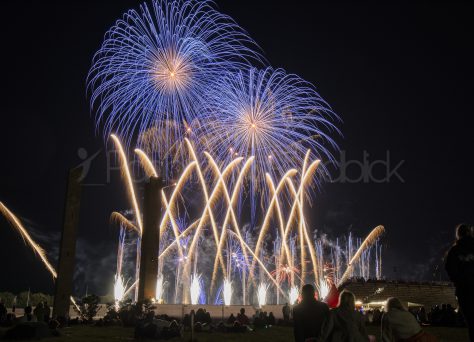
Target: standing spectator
x=345, y=324
x=399, y=324
x=39, y=312
x=47, y=311
x=28, y=317
x=271, y=319
x=309, y=315
x=460, y=268
x=286, y=313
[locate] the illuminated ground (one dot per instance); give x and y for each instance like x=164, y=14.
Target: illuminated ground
x=275, y=334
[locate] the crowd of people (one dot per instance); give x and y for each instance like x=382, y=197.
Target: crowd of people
x=34, y=323
x=41, y=313
x=312, y=320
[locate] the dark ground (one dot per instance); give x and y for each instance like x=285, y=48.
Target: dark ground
x=274, y=334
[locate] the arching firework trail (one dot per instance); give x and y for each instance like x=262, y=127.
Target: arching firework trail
x=158, y=63
x=15, y=222
x=273, y=116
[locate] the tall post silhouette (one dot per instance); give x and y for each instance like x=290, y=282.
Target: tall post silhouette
x=150, y=239
x=67, y=252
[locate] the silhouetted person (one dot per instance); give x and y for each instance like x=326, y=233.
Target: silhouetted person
x=47, y=311
x=345, y=324
x=28, y=317
x=200, y=315
x=399, y=324
x=286, y=312
x=460, y=268
x=39, y=312
x=231, y=319
x=271, y=319
x=3, y=312
x=242, y=318
x=309, y=315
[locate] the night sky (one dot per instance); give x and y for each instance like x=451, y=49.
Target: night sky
x=400, y=77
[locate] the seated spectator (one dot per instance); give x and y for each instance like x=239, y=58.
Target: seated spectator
x=3, y=312
x=231, y=319
x=422, y=316
x=271, y=319
x=286, y=312
x=399, y=324
x=242, y=318
x=264, y=317
x=28, y=317
x=200, y=316
x=344, y=322
x=377, y=317
x=309, y=315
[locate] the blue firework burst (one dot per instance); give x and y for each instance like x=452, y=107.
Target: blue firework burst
x=158, y=63
x=273, y=116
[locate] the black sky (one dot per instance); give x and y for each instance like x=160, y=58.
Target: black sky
x=399, y=75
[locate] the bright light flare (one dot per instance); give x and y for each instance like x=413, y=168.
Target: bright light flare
x=293, y=294
x=262, y=294
x=159, y=289
x=195, y=288
x=227, y=291
x=119, y=288
x=323, y=289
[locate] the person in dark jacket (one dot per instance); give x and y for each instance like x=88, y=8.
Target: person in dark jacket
x=460, y=268
x=309, y=315
x=345, y=323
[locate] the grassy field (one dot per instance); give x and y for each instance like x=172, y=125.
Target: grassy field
x=274, y=334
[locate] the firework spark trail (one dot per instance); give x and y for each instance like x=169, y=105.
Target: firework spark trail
x=301, y=220
x=304, y=178
x=117, y=217
x=230, y=204
x=146, y=163
x=221, y=182
x=130, y=289
x=369, y=240
x=234, y=197
x=274, y=202
x=260, y=263
x=121, y=244
x=179, y=185
x=304, y=236
x=173, y=225
x=128, y=179
x=36, y=248
x=207, y=209
x=15, y=222
x=183, y=234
